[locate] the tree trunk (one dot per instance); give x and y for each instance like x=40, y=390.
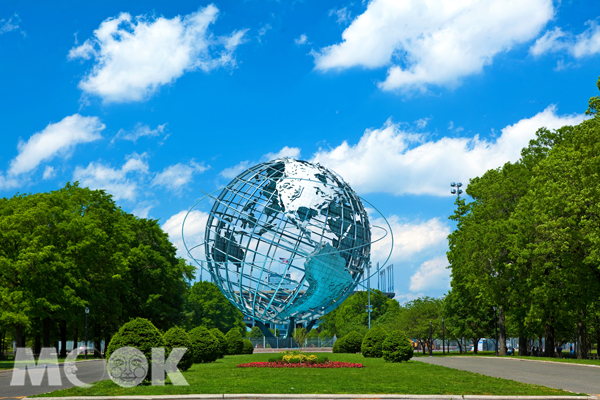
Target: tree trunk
x=37, y=345
x=423, y=347
x=19, y=336
x=46, y=328
x=2, y=344
x=75, y=339
x=501, y=332
x=522, y=345
x=550, y=343
x=581, y=336
x=106, y=342
x=63, y=338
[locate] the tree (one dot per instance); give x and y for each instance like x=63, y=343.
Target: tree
x=205, y=347
x=178, y=338
x=206, y=305
x=235, y=342
x=255, y=333
x=417, y=316
x=300, y=336
x=373, y=342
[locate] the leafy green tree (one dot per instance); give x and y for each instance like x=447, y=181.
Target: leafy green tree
x=248, y=347
x=255, y=333
x=206, y=306
x=417, y=316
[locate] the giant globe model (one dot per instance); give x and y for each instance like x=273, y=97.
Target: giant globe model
x=287, y=239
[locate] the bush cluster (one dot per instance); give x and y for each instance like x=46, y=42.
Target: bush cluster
x=248, y=347
x=351, y=343
x=220, y=336
x=141, y=334
x=178, y=337
x=235, y=342
x=373, y=342
x=205, y=347
x=397, y=347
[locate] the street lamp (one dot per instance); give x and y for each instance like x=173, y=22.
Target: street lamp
x=496, y=325
x=87, y=311
x=443, y=341
x=458, y=189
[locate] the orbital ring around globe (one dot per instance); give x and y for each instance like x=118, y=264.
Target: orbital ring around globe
x=287, y=239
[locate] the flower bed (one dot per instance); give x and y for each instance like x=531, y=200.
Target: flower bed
x=282, y=364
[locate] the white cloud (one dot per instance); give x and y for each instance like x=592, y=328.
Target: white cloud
x=422, y=123
x=585, y=44
x=12, y=24
x=263, y=31
x=406, y=297
x=410, y=238
x=194, y=232
x=394, y=161
x=139, y=131
x=143, y=209
x=431, y=275
x=302, y=39
x=292, y=152
x=118, y=182
x=49, y=172
x=176, y=176
x=234, y=171
x=435, y=42
x=343, y=15
x=133, y=57
x=56, y=139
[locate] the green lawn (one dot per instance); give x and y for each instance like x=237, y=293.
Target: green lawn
x=377, y=377
x=9, y=364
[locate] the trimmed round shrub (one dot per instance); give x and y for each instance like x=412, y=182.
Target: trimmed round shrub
x=205, y=347
x=397, y=347
x=371, y=345
x=235, y=343
x=178, y=337
x=222, y=341
x=141, y=334
x=353, y=342
x=248, y=347
x=339, y=345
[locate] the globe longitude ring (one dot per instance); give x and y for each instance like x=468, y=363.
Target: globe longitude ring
x=286, y=239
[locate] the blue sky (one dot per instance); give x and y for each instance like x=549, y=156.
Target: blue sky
x=155, y=101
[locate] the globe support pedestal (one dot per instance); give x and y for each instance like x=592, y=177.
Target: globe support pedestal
x=275, y=342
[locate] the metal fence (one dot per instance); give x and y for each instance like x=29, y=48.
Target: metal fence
x=286, y=343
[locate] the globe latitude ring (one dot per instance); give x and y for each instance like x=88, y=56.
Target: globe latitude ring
x=286, y=239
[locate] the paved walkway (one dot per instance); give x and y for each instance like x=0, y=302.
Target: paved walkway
x=87, y=371
x=571, y=377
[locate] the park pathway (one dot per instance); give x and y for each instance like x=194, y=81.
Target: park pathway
x=87, y=371
x=571, y=377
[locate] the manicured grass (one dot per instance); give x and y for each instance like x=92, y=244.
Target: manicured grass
x=377, y=376
x=6, y=364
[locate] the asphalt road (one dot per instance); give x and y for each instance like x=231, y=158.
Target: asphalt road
x=574, y=378
x=87, y=372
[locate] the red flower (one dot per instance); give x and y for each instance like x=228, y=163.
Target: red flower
x=281, y=364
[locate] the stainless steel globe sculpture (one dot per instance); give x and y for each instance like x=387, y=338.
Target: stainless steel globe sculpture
x=287, y=239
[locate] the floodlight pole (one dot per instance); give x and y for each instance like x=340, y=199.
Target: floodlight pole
x=87, y=311
x=458, y=189
x=369, y=291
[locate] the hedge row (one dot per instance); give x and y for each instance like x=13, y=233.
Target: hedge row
x=393, y=347
x=203, y=345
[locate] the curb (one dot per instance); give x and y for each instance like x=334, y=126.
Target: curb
x=321, y=396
